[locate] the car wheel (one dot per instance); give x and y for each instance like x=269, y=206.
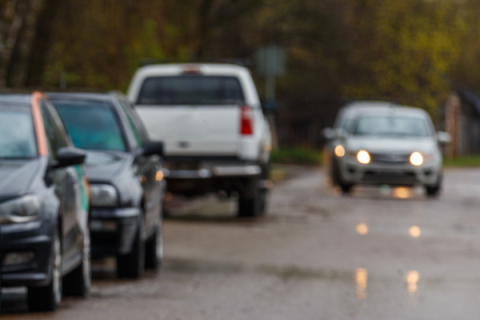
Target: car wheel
x=253, y=202
x=263, y=201
x=132, y=265
x=77, y=283
x=335, y=173
x=433, y=191
x=346, y=188
x=248, y=208
x=48, y=298
x=154, y=250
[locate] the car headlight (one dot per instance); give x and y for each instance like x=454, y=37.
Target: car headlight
x=339, y=151
x=103, y=195
x=416, y=159
x=363, y=157
x=20, y=210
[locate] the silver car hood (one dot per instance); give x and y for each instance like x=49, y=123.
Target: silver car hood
x=386, y=144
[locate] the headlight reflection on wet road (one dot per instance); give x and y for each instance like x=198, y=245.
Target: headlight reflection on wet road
x=412, y=280
x=362, y=229
x=402, y=193
x=415, y=232
x=361, y=279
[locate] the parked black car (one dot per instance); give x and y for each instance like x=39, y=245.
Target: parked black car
x=43, y=203
x=124, y=169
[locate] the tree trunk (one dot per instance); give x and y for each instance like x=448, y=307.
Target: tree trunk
x=10, y=28
x=24, y=44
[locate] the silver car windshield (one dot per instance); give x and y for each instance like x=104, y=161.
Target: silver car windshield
x=390, y=126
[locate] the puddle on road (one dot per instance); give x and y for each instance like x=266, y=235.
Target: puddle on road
x=364, y=229
x=359, y=278
x=415, y=231
x=383, y=192
x=211, y=209
x=286, y=273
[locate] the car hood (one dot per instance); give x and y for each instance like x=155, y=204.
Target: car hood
x=386, y=145
x=16, y=177
x=105, y=167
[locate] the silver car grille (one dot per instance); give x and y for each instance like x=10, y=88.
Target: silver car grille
x=390, y=157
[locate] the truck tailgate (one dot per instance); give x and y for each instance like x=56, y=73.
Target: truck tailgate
x=194, y=130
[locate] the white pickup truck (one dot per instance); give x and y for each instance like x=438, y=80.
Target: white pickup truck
x=211, y=122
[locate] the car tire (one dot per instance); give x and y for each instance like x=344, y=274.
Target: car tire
x=77, y=283
x=132, y=265
x=346, y=188
x=154, y=250
x=253, y=202
x=248, y=208
x=49, y=297
x=335, y=172
x=434, y=191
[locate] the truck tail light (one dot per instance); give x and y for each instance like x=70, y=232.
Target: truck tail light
x=246, y=122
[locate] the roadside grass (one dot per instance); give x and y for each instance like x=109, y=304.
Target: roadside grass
x=297, y=155
x=469, y=161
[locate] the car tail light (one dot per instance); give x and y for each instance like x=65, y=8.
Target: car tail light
x=246, y=122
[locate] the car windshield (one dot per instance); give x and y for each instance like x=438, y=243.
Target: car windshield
x=191, y=90
x=391, y=126
x=17, y=135
x=92, y=125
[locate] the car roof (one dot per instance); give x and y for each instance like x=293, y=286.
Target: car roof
x=210, y=67
x=356, y=109
x=104, y=97
x=17, y=99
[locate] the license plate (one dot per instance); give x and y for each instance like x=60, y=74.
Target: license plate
x=390, y=171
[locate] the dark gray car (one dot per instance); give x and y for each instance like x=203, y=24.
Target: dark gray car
x=125, y=172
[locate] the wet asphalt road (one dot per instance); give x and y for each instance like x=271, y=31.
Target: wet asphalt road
x=379, y=254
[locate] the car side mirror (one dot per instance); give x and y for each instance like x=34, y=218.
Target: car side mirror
x=329, y=133
x=341, y=133
x=151, y=148
x=444, y=137
x=69, y=156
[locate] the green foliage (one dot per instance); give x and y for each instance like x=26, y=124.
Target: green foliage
x=406, y=51
x=411, y=47
x=469, y=161
x=401, y=51
x=297, y=155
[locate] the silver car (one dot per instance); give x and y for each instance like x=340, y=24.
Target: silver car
x=381, y=143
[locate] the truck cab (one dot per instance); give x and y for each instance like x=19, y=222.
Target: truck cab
x=211, y=122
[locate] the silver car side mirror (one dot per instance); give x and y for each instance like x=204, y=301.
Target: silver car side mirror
x=444, y=137
x=329, y=133
x=341, y=133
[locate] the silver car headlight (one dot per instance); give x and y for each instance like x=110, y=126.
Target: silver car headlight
x=416, y=159
x=20, y=210
x=103, y=195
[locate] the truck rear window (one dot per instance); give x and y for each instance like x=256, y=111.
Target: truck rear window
x=191, y=90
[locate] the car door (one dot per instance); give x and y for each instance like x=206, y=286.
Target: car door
x=148, y=167
x=67, y=186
